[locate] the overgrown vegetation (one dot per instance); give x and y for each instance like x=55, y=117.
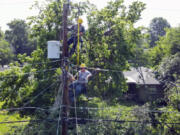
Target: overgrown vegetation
x=111, y=42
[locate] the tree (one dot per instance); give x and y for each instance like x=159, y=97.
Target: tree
x=18, y=37
x=156, y=29
x=1, y=34
x=6, y=54
x=166, y=60
x=111, y=43
x=135, y=10
x=110, y=52
x=173, y=40
x=167, y=46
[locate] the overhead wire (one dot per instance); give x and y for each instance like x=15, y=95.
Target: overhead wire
x=47, y=88
x=120, y=109
x=122, y=121
x=29, y=73
x=22, y=108
x=151, y=111
x=103, y=70
x=44, y=62
x=98, y=69
x=92, y=120
x=37, y=63
x=91, y=108
x=24, y=121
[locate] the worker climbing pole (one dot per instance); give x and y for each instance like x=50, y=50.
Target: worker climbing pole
x=77, y=31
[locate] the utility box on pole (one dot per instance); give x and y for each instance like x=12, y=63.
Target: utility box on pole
x=54, y=49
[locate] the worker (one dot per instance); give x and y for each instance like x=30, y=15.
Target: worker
x=74, y=35
x=80, y=84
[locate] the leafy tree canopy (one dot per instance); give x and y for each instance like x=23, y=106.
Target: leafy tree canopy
x=157, y=28
x=166, y=46
x=6, y=54
x=18, y=37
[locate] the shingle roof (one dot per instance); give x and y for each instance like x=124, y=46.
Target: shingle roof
x=134, y=76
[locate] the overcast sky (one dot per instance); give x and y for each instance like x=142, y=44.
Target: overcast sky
x=168, y=9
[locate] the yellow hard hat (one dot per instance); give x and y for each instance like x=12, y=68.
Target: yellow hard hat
x=80, y=20
x=82, y=65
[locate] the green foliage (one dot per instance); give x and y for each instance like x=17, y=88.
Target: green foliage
x=47, y=24
x=135, y=10
x=172, y=40
x=166, y=46
x=169, y=68
x=157, y=53
x=1, y=34
x=20, y=84
x=174, y=97
x=157, y=29
x=165, y=59
x=18, y=37
x=140, y=58
x=112, y=42
x=16, y=86
x=6, y=54
x=10, y=129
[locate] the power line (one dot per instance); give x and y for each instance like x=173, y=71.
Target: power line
x=22, y=108
x=82, y=120
x=39, y=94
x=44, y=62
x=99, y=69
x=24, y=121
x=36, y=63
x=92, y=108
x=121, y=121
x=120, y=109
x=29, y=73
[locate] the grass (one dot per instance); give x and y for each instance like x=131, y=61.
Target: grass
x=9, y=128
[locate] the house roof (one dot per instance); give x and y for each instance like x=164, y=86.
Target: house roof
x=141, y=75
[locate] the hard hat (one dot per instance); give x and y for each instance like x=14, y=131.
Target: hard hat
x=82, y=65
x=80, y=20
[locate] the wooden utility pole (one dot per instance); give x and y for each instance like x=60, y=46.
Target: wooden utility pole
x=65, y=73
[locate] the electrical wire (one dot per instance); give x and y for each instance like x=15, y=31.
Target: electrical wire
x=39, y=94
x=99, y=69
x=92, y=120
x=22, y=108
x=122, y=121
x=120, y=109
x=91, y=108
x=29, y=73
x=37, y=63
x=24, y=121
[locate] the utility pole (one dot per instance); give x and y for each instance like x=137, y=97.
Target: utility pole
x=65, y=73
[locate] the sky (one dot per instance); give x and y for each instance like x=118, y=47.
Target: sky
x=20, y=9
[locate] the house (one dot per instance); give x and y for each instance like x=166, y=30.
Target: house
x=142, y=84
